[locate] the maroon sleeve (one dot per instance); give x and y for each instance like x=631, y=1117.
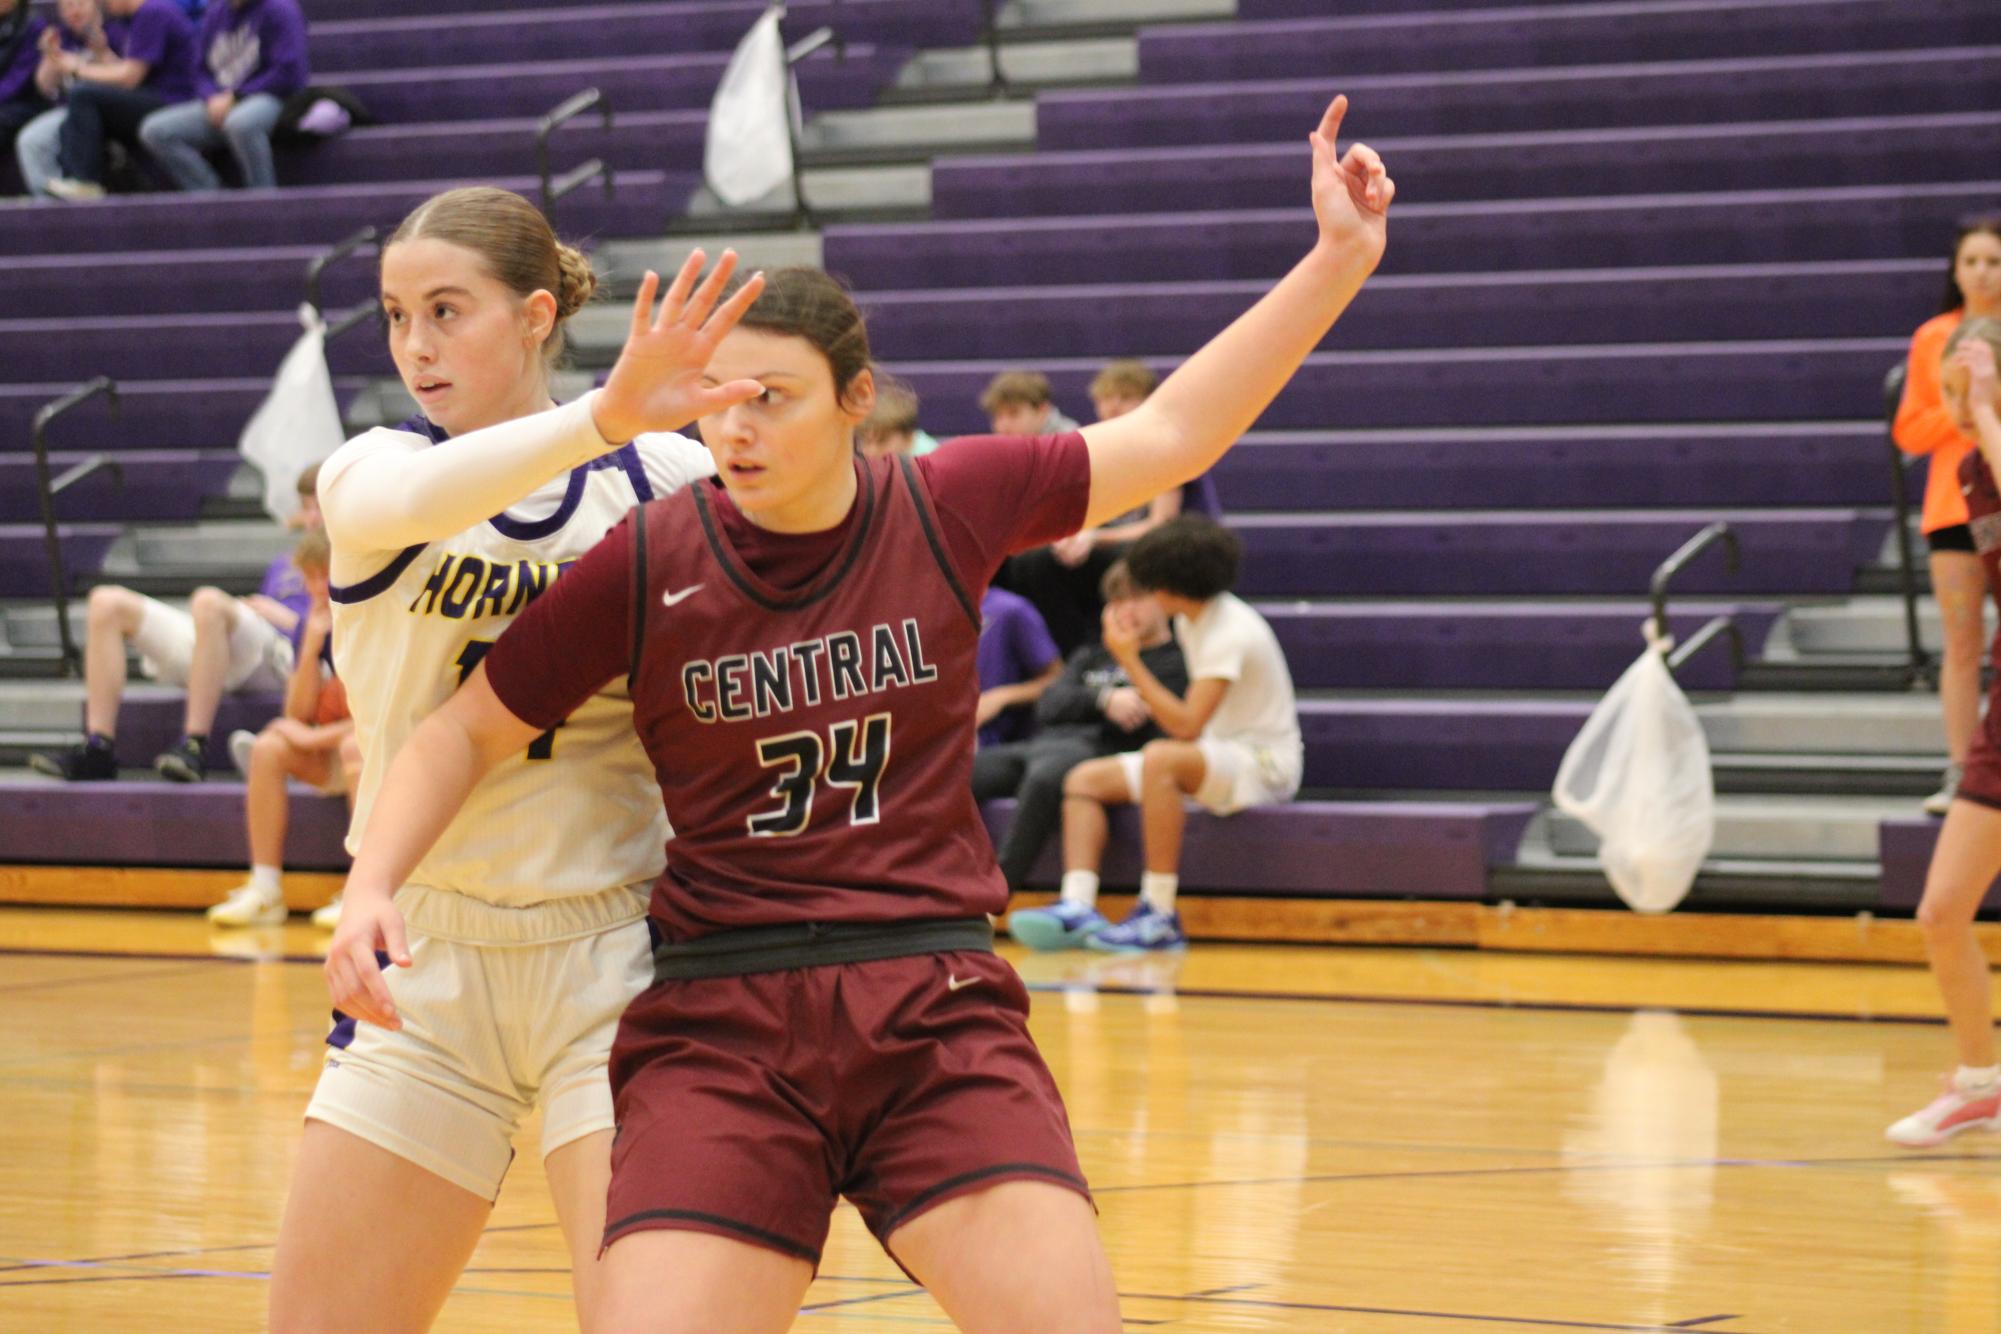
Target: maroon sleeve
x=999, y=494
x=570, y=641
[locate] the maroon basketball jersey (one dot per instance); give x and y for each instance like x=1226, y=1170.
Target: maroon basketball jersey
x=814, y=745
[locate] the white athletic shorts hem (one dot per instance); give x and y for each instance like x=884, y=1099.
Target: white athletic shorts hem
x=260, y=656
x=490, y=1031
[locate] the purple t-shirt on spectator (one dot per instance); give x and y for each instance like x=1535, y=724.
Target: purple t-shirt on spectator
x=1014, y=647
x=160, y=35
x=284, y=584
x=258, y=48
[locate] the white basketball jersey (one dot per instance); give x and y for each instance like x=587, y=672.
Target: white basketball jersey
x=579, y=811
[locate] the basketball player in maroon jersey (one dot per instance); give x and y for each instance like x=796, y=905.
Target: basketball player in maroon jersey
x=828, y=1017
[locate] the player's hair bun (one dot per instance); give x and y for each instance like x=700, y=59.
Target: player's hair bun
x=577, y=283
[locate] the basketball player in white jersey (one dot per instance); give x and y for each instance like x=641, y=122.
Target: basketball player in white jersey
x=522, y=936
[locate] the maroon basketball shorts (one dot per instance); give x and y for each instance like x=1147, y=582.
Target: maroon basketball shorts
x=748, y=1104
x=1980, y=780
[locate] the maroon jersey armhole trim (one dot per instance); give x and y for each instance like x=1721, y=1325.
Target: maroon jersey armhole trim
x=641, y=577
x=822, y=587
x=922, y=503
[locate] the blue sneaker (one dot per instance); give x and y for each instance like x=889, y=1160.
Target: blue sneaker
x=1143, y=932
x=1060, y=926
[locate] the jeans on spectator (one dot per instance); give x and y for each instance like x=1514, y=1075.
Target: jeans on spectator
x=1031, y=772
x=36, y=149
x=99, y=111
x=176, y=136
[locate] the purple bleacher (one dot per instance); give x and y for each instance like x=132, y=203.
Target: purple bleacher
x=640, y=205
x=324, y=11
x=1415, y=849
x=1690, y=382
x=1904, y=846
x=1562, y=35
x=1748, y=227
x=607, y=31
x=1438, y=745
x=1249, y=176
x=1426, y=646
x=175, y=347
x=631, y=83
x=142, y=823
x=173, y=282
x=1835, y=300
x=640, y=141
x=167, y=485
x=1778, y=463
x=24, y=564
x=154, y=414
x=1675, y=93
x=1303, y=9
x=1599, y=552
x=150, y=717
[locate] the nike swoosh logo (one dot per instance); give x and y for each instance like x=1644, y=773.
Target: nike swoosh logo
x=953, y=981
x=669, y=598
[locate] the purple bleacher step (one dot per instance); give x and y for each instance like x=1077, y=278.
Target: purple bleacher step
x=154, y=414
x=1559, y=35
x=24, y=565
x=1094, y=160
x=1834, y=300
x=1905, y=848
x=1828, y=379
x=175, y=346
x=1438, y=745
x=1736, y=465
x=163, y=486
x=151, y=716
x=1311, y=848
x=636, y=142
x=1543, y=553
x=150, y=823
x=606, y=31
x=1423, y=646
x=1743, y=227
x=177, y=282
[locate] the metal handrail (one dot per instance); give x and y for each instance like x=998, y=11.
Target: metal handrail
x=1665, y=572
x=1701, y=639
x=996, y=80
x=1922, y=666
x=316, y=270
x=802, y=213
x=46, y=491
x=568, y=110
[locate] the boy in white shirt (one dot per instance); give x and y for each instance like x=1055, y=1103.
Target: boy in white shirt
x=1232, y=742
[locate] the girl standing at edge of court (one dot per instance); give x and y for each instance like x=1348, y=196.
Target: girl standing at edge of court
x=525, y=923
x=828, y=1017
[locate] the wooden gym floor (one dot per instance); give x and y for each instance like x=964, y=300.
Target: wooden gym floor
x=1379, y=1140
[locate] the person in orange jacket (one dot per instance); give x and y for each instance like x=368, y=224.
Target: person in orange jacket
x=1925, y=426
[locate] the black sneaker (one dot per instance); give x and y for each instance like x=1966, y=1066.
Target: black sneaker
x=78, y=764
x=183, y=764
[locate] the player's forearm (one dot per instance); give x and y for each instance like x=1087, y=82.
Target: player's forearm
x=390, y=500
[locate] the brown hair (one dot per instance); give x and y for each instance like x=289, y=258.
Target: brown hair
x=1987, y=224
x=515, y=242
x=1985, y=329
x=1126, y=377
x=1029, y=389
x=1117, y=585
x=314, y=554
x=809, y=304
x=309, y=479
x=895, y=410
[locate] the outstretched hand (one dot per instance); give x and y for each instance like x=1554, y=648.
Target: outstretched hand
x=1352, y=192
x=1983, y=379
x=657, y=383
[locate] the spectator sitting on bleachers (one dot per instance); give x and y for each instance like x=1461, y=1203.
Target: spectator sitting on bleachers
x=252, y=56
x=1092, y=710
x=220, y=643
x=891, y=425
x=1017, y=662
x=312, y=741
x=1018, y=403
x=1062, y=579
x=112, y=95
x=1236, y=741
x=20, y=54
x=80, y=29
x=1924, y=426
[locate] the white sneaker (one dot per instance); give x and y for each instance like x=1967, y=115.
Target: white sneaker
x=248, y=905
x=1950, y=1113
x=240, y=743
x=328, y=917
x=1939, y=802
x=64, y=187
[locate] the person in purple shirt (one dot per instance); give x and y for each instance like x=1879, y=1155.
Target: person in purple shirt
x=1017, y=662
x=111, y=96
x=20, y=53
x=34, y=57
x=219, y=643
x=252, y=57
